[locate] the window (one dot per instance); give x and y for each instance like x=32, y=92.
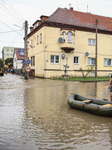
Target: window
x=12, y=50
x=37, y=39
x=91, y=42
x=7, y=50
x=33, y=61
x=91, y=61
x=76, y=60
x=31, y=43
x=54, y=59
x=69, y=37
x=64, y=35
x=41, y=38
x=28, y=45
x=107, y=62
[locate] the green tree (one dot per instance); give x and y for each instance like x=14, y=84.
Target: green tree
x=9, y=61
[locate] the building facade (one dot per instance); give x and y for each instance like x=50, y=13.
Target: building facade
x=18, y=59
x=65, y=43
x=7, y=52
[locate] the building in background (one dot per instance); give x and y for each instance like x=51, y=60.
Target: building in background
x=65, y=42
x=7, y=52
x=18, y=60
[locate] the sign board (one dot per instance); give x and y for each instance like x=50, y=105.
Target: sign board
x=28, y=61
x=28, y=68
x=23, y=62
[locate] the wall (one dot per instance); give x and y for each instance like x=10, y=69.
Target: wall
x=51, y=46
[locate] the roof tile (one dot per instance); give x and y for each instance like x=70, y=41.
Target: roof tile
x=82, y=19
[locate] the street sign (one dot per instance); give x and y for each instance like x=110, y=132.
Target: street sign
x=28, y=68
x=23, y=62
x=28, y=61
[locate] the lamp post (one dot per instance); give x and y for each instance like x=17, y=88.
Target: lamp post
x=67, y=66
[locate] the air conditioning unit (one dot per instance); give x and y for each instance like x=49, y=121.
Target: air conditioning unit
x=61, y=40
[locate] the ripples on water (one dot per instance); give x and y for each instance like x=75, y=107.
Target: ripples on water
x=34, y=115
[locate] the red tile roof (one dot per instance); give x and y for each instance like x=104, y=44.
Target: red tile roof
x=19, y=57
x=80, y=19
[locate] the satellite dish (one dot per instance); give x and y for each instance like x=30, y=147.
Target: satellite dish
x=61, y=40
x=86, y=54
x=63, y=56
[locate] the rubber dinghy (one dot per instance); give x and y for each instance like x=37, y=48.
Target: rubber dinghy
x=92, y=105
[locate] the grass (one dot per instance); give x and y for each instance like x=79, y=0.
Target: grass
x=87, y=79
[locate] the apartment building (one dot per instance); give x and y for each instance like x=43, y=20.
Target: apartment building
x=65, y=42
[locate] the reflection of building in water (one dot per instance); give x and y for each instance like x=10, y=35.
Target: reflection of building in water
x=94, y=89
x=52, y=124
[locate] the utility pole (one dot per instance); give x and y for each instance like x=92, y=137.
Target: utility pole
x=96, y=51
x=26, y=49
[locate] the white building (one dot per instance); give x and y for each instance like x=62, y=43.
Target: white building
x=18, y=58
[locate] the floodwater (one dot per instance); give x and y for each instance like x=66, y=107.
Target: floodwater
x=34, y=115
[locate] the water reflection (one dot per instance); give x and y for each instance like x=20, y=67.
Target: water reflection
x=35, y=115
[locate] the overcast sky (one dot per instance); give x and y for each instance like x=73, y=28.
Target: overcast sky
x=13, y=14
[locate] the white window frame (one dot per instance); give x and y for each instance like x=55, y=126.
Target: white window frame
x=64, y=35
x=69, y=37
x=107, y=62
x=91, y=41
x=91, y=61
x=76, y=57
x=53, y=59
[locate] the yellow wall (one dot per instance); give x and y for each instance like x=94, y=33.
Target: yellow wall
x=51, y=46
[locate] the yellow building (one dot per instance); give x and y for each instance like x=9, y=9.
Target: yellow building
x=65, y=43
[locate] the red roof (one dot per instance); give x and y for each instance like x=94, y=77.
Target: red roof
x=80, y=19
x=18, y=54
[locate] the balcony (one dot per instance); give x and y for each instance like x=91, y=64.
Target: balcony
x=67, y=47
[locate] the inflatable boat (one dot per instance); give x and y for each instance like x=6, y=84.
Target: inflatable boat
x=101, y=107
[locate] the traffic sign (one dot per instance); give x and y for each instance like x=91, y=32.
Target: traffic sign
x=28, y=61
x=23, y=62
x=28, y=68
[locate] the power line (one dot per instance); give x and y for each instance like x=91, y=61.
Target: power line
x=10, y=13
x=11, y=28
x=11, y=31
x=15, y=10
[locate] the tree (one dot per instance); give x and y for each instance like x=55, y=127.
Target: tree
x=9, y=61
x=89, y=70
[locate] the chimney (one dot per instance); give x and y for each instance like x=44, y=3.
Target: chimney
x=43, y=18
x=31, y=29
x=39, y=22
x=71, y=8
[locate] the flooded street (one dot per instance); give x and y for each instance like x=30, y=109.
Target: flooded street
x=34, y=114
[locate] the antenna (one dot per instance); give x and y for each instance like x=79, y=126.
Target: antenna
x=87, y=7
x=70, y=5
